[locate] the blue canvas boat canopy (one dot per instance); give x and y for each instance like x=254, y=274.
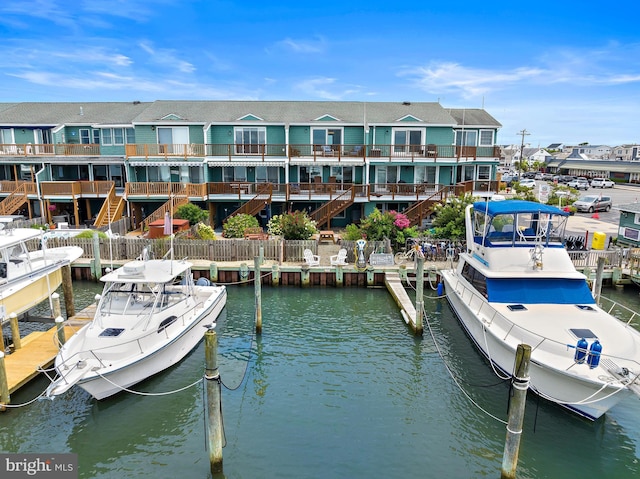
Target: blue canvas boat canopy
x=538, y=291
x=507, y=207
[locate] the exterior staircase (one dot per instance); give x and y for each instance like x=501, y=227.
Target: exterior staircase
x=175, y=202
x=322, y=216
x=256, y=204
x=111, y=210
x=17, y=198
x=424, y=208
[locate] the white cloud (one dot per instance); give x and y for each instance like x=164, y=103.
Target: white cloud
x=318, y=45
x=325, y=88
x=167, y=58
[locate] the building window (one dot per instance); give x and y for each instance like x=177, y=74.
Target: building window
x=407, y=141
x=425, y=174
x=234, y=173
x=486, y=137
x=96, y=137
x=484, y=172
x=466, y=137
x=250, y=140
x=112, y=136
x=325, y=137
x=84, y=136
x=267, y=174
x=631, y=234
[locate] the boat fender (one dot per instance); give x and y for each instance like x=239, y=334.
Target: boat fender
x=440, y=288
x=581, y=351
x=594, y=354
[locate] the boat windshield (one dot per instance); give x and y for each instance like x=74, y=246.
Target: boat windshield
x=136, y=299
x=519, y=229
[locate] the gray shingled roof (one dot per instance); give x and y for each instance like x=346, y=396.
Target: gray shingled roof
x=295, y=111
x=67, y=113
x=473, y=117
x=229, y=112
x=631, y=207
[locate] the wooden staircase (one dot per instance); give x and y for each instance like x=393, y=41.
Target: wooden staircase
x=322, y=216
x=17, y=198
x=111, y=210
x=174, y=202
x=256, y=204
x=424, y=208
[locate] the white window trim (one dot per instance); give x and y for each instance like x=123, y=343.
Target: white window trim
x=480, y=132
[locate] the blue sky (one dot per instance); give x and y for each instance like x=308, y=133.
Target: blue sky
x=564, y=71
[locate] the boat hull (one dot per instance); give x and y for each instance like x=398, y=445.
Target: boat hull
x=584, y=397
x=106, y=382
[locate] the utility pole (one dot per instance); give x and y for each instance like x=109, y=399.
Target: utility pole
x=522, y=132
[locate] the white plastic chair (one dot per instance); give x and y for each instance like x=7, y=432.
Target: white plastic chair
x=340, y=258
x=310, y=258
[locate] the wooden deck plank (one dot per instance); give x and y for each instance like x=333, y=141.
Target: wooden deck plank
x=39, y=350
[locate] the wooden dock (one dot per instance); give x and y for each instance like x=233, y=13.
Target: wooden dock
x=394, y=284
x=39, y=350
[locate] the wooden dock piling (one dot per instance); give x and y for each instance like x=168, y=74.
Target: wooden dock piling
x=257, y=277
x=4, y=384
x=67, y=290
x=516, y=412
x=15, y=331
x=214, y=410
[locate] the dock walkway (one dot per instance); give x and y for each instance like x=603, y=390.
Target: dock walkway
x=38, y=351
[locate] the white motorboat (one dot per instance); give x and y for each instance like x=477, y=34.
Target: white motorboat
x=516, y=284
x=27, y=278
x=151, y=315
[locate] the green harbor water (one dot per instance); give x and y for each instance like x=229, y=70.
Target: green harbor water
x=337, y=386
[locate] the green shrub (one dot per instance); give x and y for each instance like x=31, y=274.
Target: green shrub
x=378, y=226
x=205, y=232
x=235, y=226
x=449, y=220
x=192, y=213
x=295, y=226
x=89, y=234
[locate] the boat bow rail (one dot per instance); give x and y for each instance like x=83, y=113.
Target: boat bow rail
x=509, y=332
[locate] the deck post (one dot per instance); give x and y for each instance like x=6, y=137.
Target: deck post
x=213, y=272
x=4, y=384
x=258, y=292
x=261, y=253
x=15, y=331
x=60, y=330
x=67, y=290
x=275, y=275
x=597, y=284
x=305, y=275
x=516, y=412
x=419, y=295
x=339, y=275
x=55, y=301
x=214, y=409
x=371, y=275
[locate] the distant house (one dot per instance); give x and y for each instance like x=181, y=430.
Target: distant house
x=629, y=225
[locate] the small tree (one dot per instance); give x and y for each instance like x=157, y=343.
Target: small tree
x=378, y=226
x=235, y=226
x=449, y=220
x=192, y=213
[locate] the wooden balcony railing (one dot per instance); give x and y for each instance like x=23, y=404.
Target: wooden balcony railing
x=165, y=189
x=79, y=188
x=59, y=149
x=9, y=186
x=261, y=151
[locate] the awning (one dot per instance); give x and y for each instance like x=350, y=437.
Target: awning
x=278, y=163
x=166, y=163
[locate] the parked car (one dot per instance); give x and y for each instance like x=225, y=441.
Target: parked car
x=579, y=184
x=528, y=183
x=593, y=203
x=510, y=179
x=601, y=183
